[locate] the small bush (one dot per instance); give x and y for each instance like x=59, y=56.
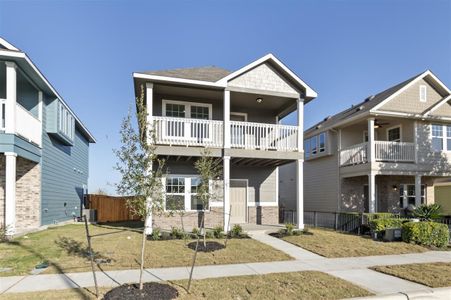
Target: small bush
x=195, y=232
x=428, y=212
x=2, y=234
x=426, y=233
x=177, y=233
x=217, y=232
x=289, y=228
x=236, y=231
x=376, y=216
x=209, y=234
x=155, y=234
x=378, y=225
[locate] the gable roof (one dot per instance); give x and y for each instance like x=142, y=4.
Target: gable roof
x=217, y=77
x=364, y=106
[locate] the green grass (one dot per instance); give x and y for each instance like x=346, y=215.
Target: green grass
x=430, y=274
x=330, y=243
x=65, y=248
x=296, y=285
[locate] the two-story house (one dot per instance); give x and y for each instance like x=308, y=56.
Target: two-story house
x=43, y=145
x=383, y=154
x=237, y=116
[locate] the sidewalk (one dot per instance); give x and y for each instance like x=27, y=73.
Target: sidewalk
x=352, y=269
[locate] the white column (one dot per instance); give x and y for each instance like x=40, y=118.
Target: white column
x=226, y=134
x=300, y=166
x=371, y=155
x=11, y=97
x=372, y=192
x=10, y=193
x=226, y=193
x=149, y=108
x=40, y=99
x=415, y=140
x=417, y=190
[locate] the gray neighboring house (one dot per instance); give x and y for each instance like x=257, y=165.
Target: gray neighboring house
x=381, y=155
x=44, y=147
x=236, y=115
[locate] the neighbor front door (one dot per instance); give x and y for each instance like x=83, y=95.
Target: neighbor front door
x=238, y=195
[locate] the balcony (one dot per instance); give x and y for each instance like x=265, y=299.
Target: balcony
x=27, y=126
x=209, y=133
x=384, y=152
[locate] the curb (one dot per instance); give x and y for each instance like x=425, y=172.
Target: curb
x=432, y=294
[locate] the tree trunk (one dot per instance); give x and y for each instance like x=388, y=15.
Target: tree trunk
x=143, y=249
x=205, y=232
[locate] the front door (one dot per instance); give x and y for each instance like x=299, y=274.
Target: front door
x=238, y=199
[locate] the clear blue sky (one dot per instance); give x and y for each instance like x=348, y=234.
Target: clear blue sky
x=346, y=50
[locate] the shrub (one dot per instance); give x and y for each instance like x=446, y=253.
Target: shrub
x=427, y=212
x=209, y=234
x=376, y=216
x=155, y=234
x=177, y=233
x=2, y=234
x=217, y=232
x=289, y=228
x=236, y=231
x=378, y=225
x=426, y=233
x=195, y=231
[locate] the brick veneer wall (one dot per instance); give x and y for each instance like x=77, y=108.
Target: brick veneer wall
x=213, y=218
x=28, y=194
x=265, y=215
x=2, y=189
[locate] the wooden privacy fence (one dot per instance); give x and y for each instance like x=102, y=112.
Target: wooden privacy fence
x=110, y=209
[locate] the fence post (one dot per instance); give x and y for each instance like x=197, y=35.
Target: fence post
x=336, y=221
x=315, y=221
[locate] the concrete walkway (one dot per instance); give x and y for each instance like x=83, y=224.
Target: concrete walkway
x=353, y=269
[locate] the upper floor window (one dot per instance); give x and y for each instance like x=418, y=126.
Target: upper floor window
x=315, y=145
x=423, y=93
x=182, y=109
x=441, y=137
x=394, y=134
x=66, y=122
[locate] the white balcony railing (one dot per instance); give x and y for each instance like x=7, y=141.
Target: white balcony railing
x=28, y=126
x=395, y=151
x=261, y=136
x=188, y=132
x=354, y=155
x=384, y=151
x=209, y=133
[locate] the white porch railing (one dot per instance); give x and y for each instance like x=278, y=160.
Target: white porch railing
x=27, y=125
x=209, y=133
x=395, y=151
x=188, y=132
x=262, y=136
x=353, y=155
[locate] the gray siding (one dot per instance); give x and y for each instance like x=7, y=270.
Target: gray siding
x=64, y=172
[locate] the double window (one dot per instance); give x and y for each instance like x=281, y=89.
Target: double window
x=315, y=145
x=407, y=195
x=441, y=137
x=181, y=193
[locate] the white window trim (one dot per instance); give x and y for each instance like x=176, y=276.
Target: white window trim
x=406, y=197
x=187, y=105
x=400, y=132
x=444, y=137
x=240, y=114
x=187, y=194
x=423, y=87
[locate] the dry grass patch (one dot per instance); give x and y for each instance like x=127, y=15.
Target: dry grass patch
x=330, y=243
x=118, y=248
x=296, y=285
x=430, y=274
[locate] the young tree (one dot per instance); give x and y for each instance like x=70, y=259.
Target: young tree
x=141, y=171
x=209, y=169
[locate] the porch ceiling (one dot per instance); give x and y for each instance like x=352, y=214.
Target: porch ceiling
x=235, y=161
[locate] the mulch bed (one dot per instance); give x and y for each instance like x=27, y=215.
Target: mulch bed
x=210, y=246
x=151, y=290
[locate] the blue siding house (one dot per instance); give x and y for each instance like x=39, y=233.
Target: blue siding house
x=44, y=148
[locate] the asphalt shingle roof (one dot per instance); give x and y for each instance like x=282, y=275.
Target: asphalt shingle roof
x=209, y=73
x=363, y=106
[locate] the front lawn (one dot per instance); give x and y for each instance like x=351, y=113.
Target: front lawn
x=118, y=247
x=296, y=285
x=430, y=274
x=330, y=243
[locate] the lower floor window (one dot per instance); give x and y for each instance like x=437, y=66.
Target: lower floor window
x=181, y=193
x=407, y=195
